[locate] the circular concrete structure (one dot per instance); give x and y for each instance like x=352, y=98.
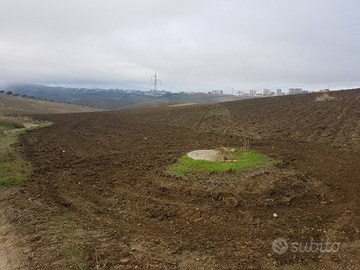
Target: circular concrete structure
x=209, y=155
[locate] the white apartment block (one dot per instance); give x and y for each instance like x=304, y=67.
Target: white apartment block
x=217, y=92
x=294, y=91
x=265, y=92
x=252, y=92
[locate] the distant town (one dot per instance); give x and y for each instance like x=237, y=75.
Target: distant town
x=263, y=92
x=42, y=91
x=113, y=99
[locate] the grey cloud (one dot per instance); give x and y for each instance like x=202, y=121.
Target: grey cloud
x=190, y=44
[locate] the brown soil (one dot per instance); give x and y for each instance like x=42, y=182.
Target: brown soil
x=108, y=104
x=149, y=102
x=106, y=172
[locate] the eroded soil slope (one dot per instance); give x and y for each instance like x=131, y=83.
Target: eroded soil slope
x=106, y=171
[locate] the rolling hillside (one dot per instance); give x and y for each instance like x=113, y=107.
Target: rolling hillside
x=20, y=105
x=102, y=177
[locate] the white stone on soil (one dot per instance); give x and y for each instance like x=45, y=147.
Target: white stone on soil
x=209, y=155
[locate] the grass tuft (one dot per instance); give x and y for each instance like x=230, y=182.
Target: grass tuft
x=75, y=257
x=13, y=169
x=9, y=122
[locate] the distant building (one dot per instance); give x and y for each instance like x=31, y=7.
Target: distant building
x=252, y=92
x=217, y=92
x=117, y=90
x=265, y=92
x=133, y=91
x=148, y=93
x=278, y=92
x=292, y=91
x=239, y=93
x=163, y=92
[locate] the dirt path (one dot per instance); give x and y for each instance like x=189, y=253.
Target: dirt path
x=11, y=255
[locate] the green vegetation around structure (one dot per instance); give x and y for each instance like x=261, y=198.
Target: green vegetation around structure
x=239, y=160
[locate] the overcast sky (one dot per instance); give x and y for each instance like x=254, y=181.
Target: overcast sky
x=192, y=45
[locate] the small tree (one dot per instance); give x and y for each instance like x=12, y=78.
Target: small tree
x=2, y=91
x=9, y=93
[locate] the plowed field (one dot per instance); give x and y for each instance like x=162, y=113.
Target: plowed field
x=107, y=172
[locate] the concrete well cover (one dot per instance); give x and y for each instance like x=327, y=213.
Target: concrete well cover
x=209, y=155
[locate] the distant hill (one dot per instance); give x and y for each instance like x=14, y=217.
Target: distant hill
x=19, y=105
x=135, y=102
x=114, y=99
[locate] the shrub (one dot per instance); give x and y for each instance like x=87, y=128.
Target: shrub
x=324, y=97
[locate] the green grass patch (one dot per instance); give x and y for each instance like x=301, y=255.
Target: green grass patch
x=6, y=141
x=67, y=223
x=63, y=218
x=13, y=169
x=243, y=159
x=2, y=128
x=22, y=131
x=75, y=257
